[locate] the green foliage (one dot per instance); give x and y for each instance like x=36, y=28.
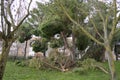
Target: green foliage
x=55, y=43
x=82, y=41
x=102, y=15
x=21, y=63
x=25, y=32
x=116, y=37
x=36, y=46
x=50, y=28
x=36, y=32
x=72, y=7
x=87, y=65
x=26, y=73
x=35, y=63
x=96, y=52
x=80, y=70
x=37, y=15
x=40, y=45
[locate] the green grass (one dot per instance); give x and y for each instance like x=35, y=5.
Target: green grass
x=14, y=72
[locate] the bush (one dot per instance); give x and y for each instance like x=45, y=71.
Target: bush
x=96, y=52
x=88, y=64
x=35, y=63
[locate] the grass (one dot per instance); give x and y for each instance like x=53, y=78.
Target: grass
x=14, y=72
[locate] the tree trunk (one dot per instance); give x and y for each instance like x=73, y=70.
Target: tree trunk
x=16, y=55
x=65, y=40
x=25, y=50
x=3, y=58
x=110, y=62
x=116, y=51
x=67, y=45
x=73, y=46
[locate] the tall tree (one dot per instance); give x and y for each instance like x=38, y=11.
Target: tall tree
x=12, y=16
x=107, y=36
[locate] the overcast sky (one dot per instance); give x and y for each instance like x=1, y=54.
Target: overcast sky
x=34, y=2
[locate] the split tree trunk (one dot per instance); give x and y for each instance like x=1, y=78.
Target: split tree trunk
x=67, y=45
x=3, y=58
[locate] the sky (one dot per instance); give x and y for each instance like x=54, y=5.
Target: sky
x=34, y=2
x=33, y=5
x=23, y=11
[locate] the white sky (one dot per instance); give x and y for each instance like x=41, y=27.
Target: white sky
x=34, y=2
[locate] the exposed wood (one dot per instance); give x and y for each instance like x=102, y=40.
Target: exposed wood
x=54, y=67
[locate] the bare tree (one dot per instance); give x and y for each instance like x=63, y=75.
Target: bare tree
x=13, y=13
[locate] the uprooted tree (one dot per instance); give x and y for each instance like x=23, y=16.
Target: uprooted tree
x=12, y=16
x=108, y=16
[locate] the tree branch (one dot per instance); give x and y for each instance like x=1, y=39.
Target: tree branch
x=23, y=18
x=86, y=32
x=114, y=21
x=3, y=15
x=93, y=24
x=3, y=12
x=10, y=14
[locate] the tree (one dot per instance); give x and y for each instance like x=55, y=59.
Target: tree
x=40, y=45
x=68, y=28
x=107, y=36
x=25, y=33
x=49, y=28
x=11, y=18
x=58, y=23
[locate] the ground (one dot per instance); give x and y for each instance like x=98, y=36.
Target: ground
x=14, y=72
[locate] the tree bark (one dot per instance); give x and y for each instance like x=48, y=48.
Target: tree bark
x=65, y=40
x=3, y=58
x=67, y=45
x=110, y=62
x=73, y=47
x=25, y=50
x=16, y=55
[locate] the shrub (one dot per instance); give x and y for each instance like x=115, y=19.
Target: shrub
x=89, y=64
x=35, y=63
x=96, y=52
